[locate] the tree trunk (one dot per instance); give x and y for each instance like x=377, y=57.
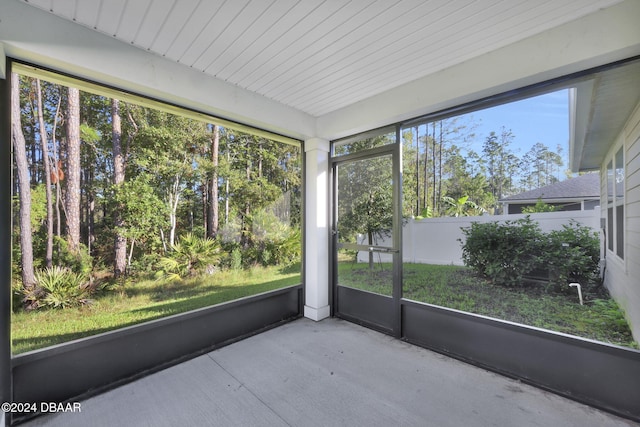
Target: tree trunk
x=244, y=238
x=120, y=244
x=370, y=243
x=417, y=170
x=370, y=213
x=72, y=202
x=433, y=160
x=57, y=175
x=260, y=159
x=227, y=191
x=91, y=208
x=441, y=140
x=205, y=207
x=173, y=198
x=426, y=167
x=212, y=214
x=26, y=244
x=47, y=177
x=33, y=147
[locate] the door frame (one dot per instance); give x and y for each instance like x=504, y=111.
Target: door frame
x=392, y=323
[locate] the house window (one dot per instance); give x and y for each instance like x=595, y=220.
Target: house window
x=619, y=202
x=615, y=204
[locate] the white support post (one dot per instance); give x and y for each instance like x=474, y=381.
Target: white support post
x=316, y=260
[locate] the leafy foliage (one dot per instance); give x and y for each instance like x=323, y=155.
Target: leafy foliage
x=371, y=214
x=461, y=206
x=574, y=254
x=539, y=207
x=438, y=160
x=58, y=287
x=148, y=177
x=79, y=261
x=189, y=257
x=274, y=242
x=503, y=252
x=235, y=259
x=143, y=213
x=426, y=213
x=365, y=201
x=506, y=253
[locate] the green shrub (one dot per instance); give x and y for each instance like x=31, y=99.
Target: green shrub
x=236, y=259
x=506, y=253
x=17, y=296
x=573, y=254
x=503, y=252
x=79, y=261
x=539, y=207
x=143, y=265
x=191, y=256
x=231, y=255
x=288, y=250
x=273, y=241
x=58, y=287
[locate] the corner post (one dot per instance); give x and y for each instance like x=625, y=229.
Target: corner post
x=316, y=260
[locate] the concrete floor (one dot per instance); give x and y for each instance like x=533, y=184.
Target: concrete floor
x=330, y=373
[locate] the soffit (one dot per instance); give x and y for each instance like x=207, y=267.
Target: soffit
x=604, y=104
x=320, y=56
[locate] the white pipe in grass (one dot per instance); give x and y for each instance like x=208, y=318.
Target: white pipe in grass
x=577, y=285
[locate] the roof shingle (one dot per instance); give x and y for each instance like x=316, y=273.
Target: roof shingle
x=584, y=186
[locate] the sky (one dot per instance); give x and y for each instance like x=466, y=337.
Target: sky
x=544, y=119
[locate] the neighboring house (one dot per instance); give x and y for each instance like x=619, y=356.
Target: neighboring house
x=605, y=136
x=576, y=194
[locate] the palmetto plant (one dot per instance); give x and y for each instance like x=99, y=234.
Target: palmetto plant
x=274, y=241
x=190, y=256
x=59, y=287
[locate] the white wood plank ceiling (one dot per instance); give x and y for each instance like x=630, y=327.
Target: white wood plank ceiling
x=320, y=55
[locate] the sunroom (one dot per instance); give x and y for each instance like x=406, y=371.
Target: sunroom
x=329, y=93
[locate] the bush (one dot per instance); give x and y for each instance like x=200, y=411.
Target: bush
x=143, y=265
x=573, y=254
x=506, y=253
x=191, y=256
x=58, y=287
x=286, y=251
x=540, y=207
x=79, y=261
x=17, y=296
x=236, y=259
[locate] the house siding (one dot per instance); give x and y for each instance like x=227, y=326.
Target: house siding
x=623, y=276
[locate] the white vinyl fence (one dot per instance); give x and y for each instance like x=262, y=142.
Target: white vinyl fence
x=435, y=240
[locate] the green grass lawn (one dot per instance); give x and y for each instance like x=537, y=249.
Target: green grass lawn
x=142, y=301
x=447, y=286
x=458, y=288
